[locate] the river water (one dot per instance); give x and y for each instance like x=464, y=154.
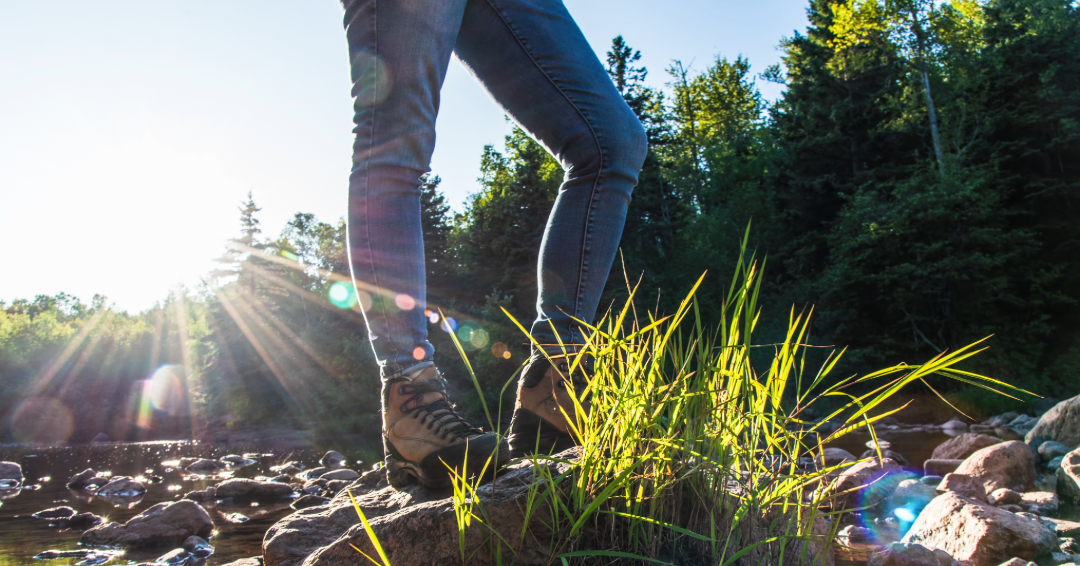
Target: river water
x=22, y=537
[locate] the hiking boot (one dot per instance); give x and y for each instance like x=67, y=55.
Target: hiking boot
x=423, y=434
x=540, y=424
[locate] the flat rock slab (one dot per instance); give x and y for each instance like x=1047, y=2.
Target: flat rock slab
x=971, y=530
x=164, y=524
x=242, y=489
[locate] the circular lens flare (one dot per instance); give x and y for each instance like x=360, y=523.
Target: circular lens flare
x=418, y=353
x=433, y=317
x=342, y=295
x=165, y=389
x=498, y=349
x=449, y=324
x=405, y=302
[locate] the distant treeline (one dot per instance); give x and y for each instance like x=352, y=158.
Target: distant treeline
x=918, y=184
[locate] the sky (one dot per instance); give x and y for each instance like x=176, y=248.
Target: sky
x=130, y=131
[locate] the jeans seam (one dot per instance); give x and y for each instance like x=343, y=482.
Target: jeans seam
x=600, y=148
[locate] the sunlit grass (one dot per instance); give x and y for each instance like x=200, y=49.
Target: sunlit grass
x=691, y=453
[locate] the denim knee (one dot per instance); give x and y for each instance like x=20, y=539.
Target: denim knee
x=615, y=152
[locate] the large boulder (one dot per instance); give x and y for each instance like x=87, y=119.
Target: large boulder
x=971, y=530
x=1068, y=477
x=164, y=524
x=964, y=486
x=960, y=447
x=11, y=471
x=242, y=489
x=1061, y=423
x=1008, y=464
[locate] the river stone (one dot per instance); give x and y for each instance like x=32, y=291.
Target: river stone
x=835, y=456
x=1068, y=477
x=855, y=534
x=342, y=474
x=332, y=460
x=971, y=530
x=198, y=545
x=934, y=467
x=1009, y=464
x=199, y=496
x=79, y=480
x=1023, y=424
x=904, y=554
x=1018, y=562
x=205, y=466
x=886, y=453
x=122, y=486
x=100, y=437
x=960, y=447
x=313, y=473
x=242, y=489
x=11, y=471
x=863, y=484
x=1044, y=500
x=164, y=524
x=309, y=501
x=1052, y=449
x=1061, y=423
x=964, y=485
x=335, y=486
x=913, y=494
x=288, y=468
x=62, y=512
x=82, y=521
x=253, y=561
x=954, y=424
x=1004, y=496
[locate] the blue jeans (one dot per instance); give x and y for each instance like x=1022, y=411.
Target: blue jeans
x=534, y=61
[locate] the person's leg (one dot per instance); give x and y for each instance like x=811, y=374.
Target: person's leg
x=533, y=59
x=535, y=62
x=399, y=51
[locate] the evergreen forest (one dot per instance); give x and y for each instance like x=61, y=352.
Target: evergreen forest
x=917, y=185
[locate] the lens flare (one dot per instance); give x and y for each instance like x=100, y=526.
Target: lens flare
x=499, y=349
x=449, y=324
x=165, y=389
x=364, y=300
x=289, y=255
x=432, y=316
x=41, y=419
x=471, y=335
x=905, y=515
x=342, y=295
x=418, y=353
x=405, y=302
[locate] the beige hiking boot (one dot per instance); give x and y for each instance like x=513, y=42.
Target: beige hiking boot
x=539, y=426
x=423, y=434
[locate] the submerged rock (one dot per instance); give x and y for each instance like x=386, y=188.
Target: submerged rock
x=971, y=530
x=62, y=512
x=164, y=524
x=332, y=460
x=205, y=466
x=122, y=486
x=1009, y=464
x=11, y=471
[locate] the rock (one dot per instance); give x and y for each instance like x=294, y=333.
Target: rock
x=852, y=534
x=834, y=457
x=960, y=447
x=63, y=512
x=101, y=437
x=185, y=462
x=288, y=468
x=11, y=471
x=970, y=530
x=208, y=494
x=253, y=561
x=932, y=481
x=309, y=501
x=251, y=490
x=955, y=424
x=885, y=454
x=313, y=473
x=82, y=521
x=164, y=524
x=122, y=486
x=912, y=494
x=332, y=460
x=1061, y=423
x=1004, y=496
x=1018, y=562
x=1054, y=464
x=965, y=486
x=236, y=461
x=342, y=474
x=281, y=479
x=1052, y=449
x=1023, y=424
x=863, y=484
x=1012, y=508
x=934, y=467
x=177, y=557
x=1009, y=464
x=1044, y=500
x=97, y=481
x=204, y=466
x=904, y=554
x=79, y=480
x=335, y=486
x=198, y=546
x=1069, y=545
x=1064, y=528
x=1068, y=477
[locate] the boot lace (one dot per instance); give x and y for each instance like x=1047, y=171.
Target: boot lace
x=439, y=415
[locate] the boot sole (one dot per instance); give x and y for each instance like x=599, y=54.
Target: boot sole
x=433, y=472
